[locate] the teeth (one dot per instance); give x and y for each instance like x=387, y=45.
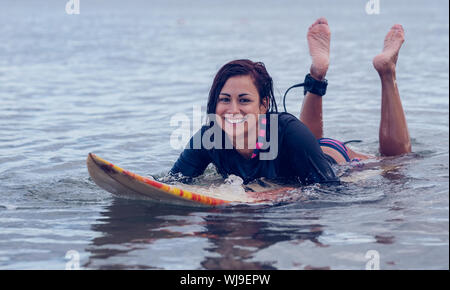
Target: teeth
x=235, y=121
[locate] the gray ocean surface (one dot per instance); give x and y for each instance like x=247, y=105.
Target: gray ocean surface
x=108, y=81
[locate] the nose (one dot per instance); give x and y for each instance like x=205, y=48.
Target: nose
x=234, y=107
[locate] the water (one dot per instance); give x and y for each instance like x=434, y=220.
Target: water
x=109, y=79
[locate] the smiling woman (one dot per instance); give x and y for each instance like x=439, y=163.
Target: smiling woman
x=241, y=103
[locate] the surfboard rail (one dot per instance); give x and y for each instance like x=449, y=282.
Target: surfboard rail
x=126, y=183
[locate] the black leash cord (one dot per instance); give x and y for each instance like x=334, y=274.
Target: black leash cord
x=284, y=98
x=301, y=85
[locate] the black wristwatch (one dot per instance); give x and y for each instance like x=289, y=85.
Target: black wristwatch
x=314, y=86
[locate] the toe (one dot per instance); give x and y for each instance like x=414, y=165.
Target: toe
x=322, y=20
x=397, y=27
x=316, y=22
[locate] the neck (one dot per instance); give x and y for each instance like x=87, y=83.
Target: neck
x=246, y=153
x=246, y=146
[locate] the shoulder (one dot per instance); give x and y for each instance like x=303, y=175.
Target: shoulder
x=284, y=117
x=288, y=123
x=293, y=133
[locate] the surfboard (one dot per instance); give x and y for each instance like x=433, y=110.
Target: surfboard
x=126, y=184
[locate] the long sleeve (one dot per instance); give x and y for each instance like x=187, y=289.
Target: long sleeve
x=192, y=162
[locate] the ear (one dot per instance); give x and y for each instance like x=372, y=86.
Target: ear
x=265, y=105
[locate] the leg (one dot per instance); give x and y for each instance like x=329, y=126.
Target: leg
x=311, y=114
x=393, y=134
x=319, y=49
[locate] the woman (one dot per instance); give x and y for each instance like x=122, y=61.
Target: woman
x=241, y=103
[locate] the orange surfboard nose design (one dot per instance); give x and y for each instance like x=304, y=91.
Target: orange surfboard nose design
x=125, y=183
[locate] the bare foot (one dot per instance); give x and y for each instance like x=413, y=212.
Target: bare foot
x=385, y=62
x=319, y=48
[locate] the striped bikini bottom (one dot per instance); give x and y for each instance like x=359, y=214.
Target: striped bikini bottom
x=338, y=146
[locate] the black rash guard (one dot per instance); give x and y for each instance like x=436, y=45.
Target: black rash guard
x=299, y=156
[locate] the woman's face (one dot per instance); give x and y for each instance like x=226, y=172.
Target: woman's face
x=238, y=107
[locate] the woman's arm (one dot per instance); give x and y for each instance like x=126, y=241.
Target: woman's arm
x=192, y=162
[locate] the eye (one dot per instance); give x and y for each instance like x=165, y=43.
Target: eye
x=224, y=100
x=244, y=100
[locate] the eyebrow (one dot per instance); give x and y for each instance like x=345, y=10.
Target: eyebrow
x=240, y=95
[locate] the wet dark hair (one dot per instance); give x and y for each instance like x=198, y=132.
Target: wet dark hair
x=243, y=67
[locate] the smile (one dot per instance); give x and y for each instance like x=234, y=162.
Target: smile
x=235, y=120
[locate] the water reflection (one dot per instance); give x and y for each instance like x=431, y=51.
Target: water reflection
x=132, y=233
x=241, y=236
x=129, y=226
